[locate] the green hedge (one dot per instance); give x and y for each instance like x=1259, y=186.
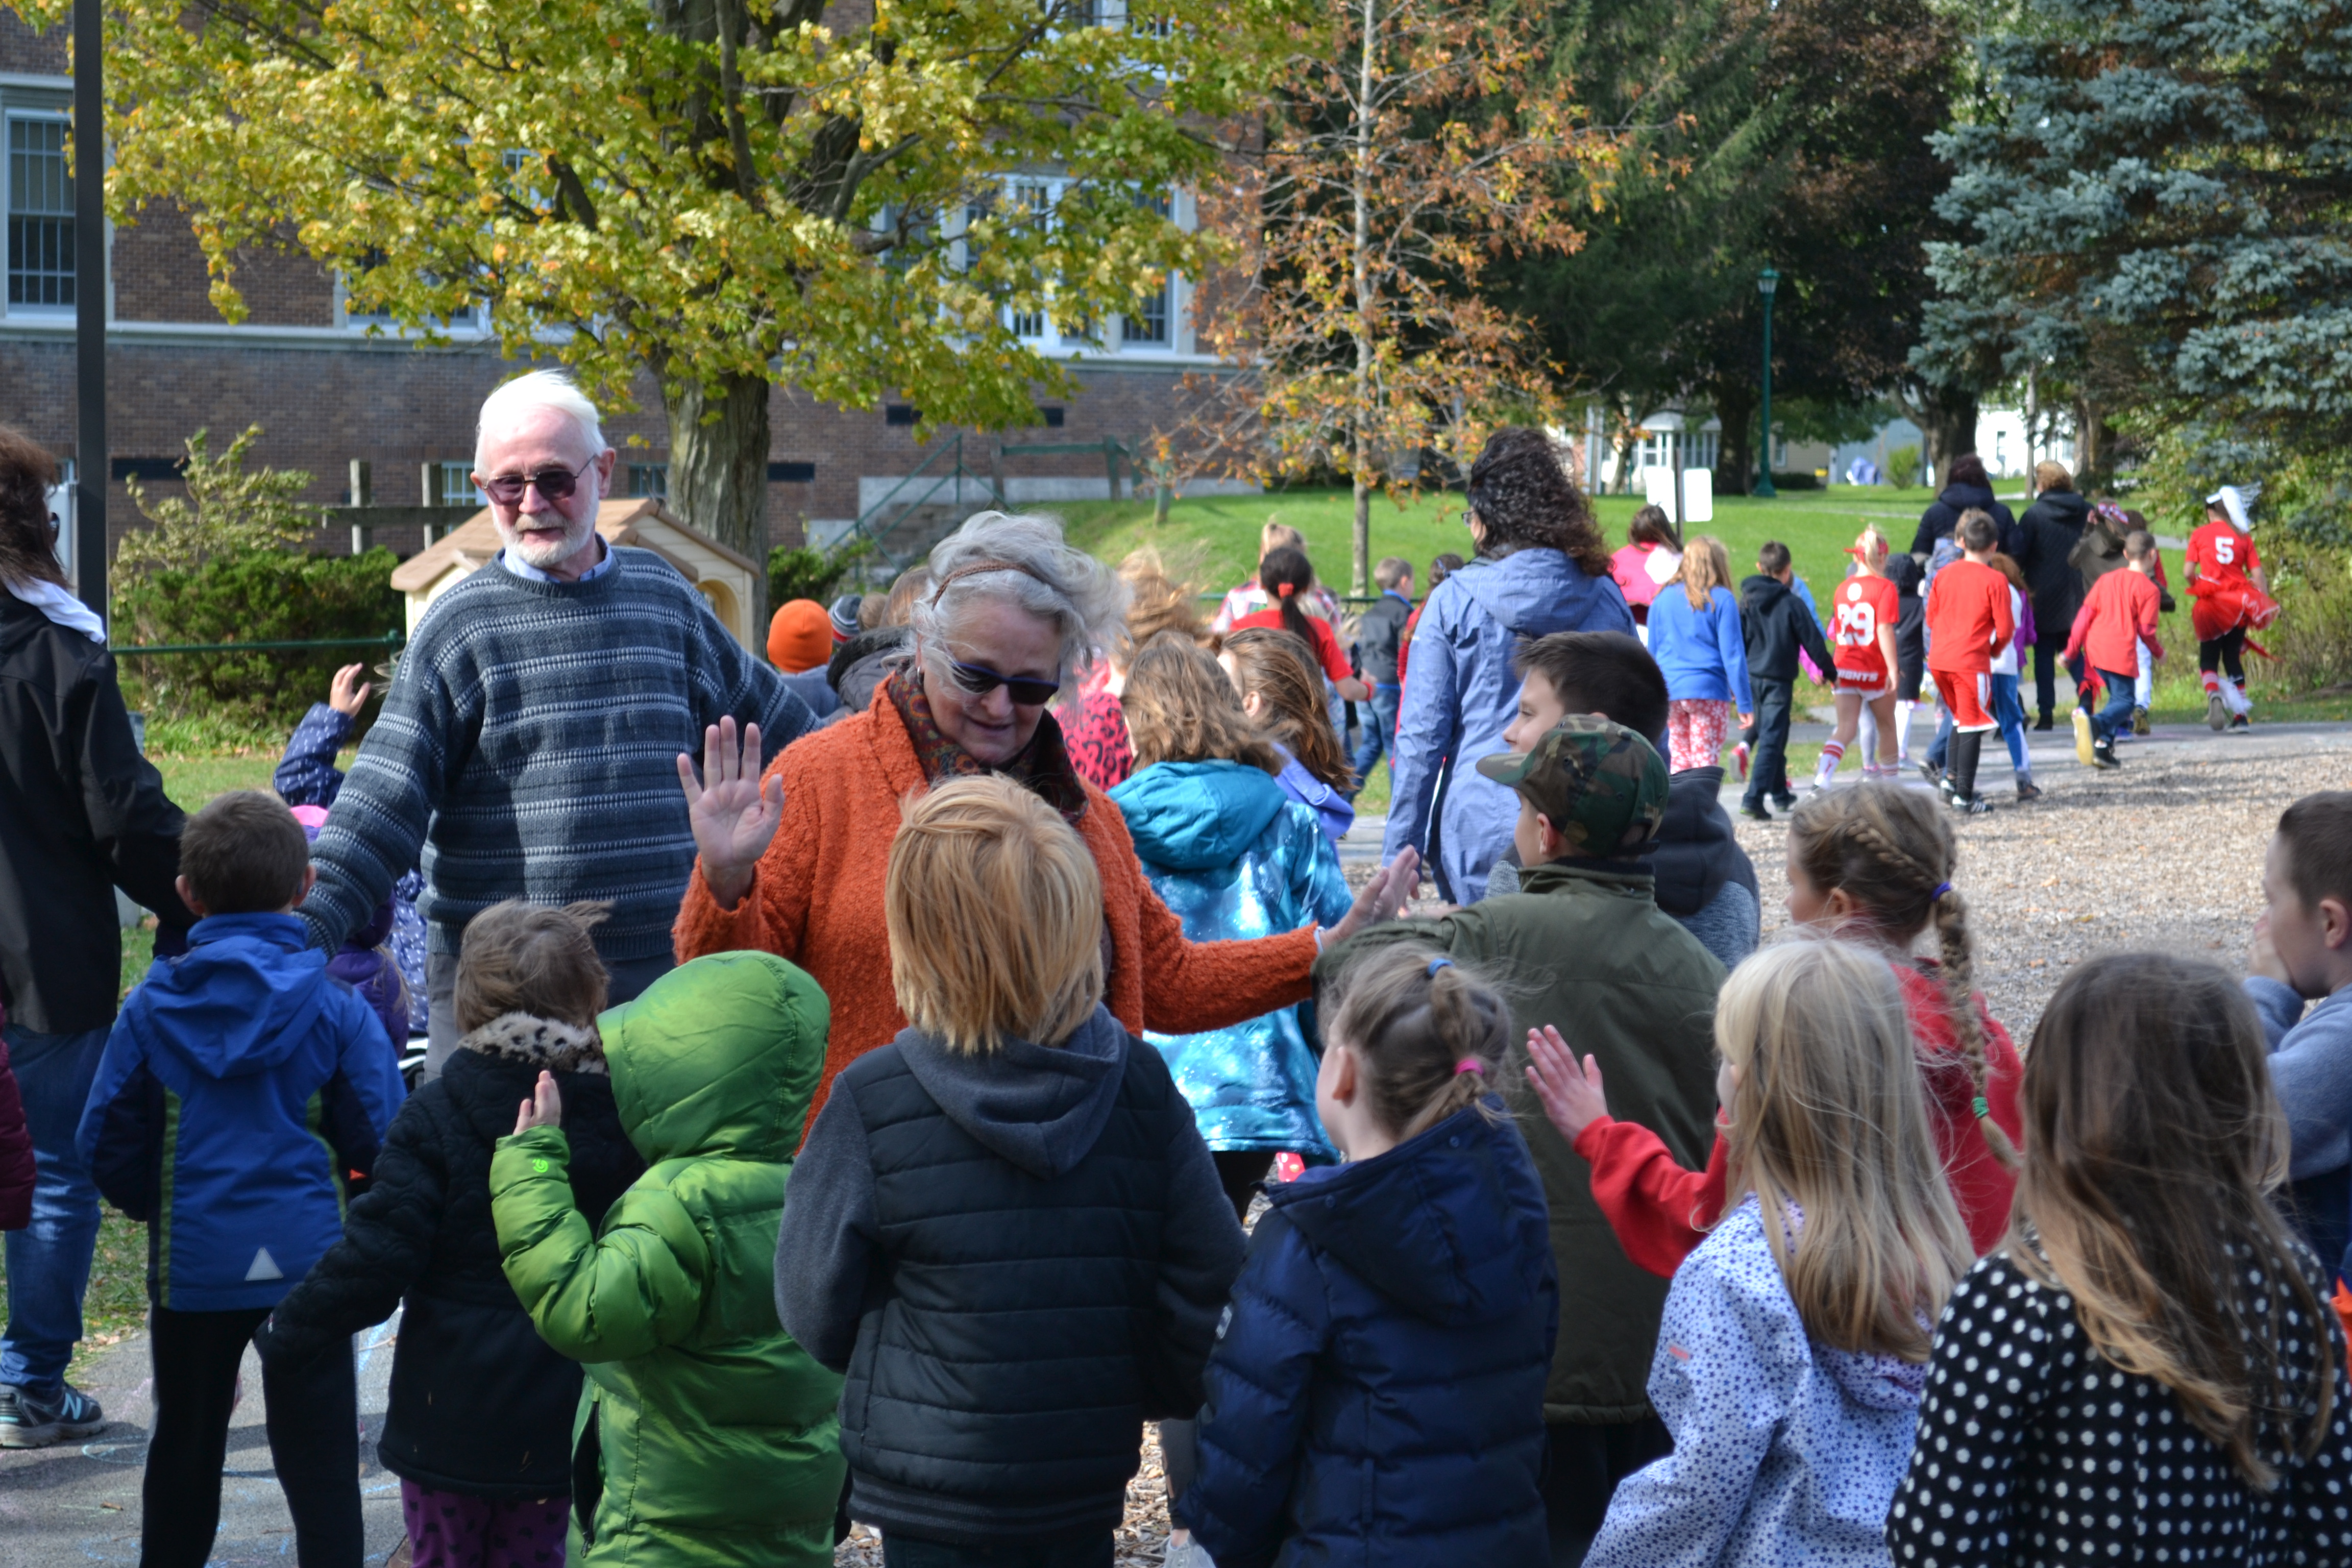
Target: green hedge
x=257, y=595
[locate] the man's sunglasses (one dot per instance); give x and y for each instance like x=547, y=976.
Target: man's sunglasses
x=980, y=682
x=552, y=484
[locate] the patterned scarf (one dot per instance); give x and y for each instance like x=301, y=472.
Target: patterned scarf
x=1042, y=766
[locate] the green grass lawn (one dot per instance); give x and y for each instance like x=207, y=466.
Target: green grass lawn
x=1217, y=536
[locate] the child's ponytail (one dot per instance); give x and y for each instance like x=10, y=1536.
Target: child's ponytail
x=1894, y=854
x=1431, y=1033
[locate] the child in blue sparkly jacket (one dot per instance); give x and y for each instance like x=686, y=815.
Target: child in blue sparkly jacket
x=1794, y=1347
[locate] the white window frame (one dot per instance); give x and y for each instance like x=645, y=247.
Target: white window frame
x=7, y=196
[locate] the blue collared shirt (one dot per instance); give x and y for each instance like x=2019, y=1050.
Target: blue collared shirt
x=525, y=570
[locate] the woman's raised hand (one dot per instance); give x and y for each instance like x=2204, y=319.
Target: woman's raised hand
x=732, y=810
x=1380, y=900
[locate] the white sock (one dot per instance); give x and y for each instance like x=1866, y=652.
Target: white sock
x=1902, y=731
x=1831, y=754
x=1866, y=742
x=2233, y=696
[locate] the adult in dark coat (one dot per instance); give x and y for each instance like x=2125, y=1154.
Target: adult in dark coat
x=1965, y=486
x=81, y=814
x=2047, y=534
x=480, y=1405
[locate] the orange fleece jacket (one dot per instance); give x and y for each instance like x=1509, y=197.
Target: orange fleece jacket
x=817, y=900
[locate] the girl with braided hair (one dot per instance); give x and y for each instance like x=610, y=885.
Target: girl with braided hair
x=1376, y=1393
x=1872, y=864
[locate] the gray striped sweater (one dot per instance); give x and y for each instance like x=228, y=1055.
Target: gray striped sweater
x=526, y=748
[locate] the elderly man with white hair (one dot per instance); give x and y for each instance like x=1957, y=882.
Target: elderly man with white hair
x=527, y=743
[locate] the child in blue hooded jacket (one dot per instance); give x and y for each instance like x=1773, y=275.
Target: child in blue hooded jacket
x=1376, y=1394
x=1234, y=857
x=1793, y=1350
x=240, y=1090
x=1697, y=637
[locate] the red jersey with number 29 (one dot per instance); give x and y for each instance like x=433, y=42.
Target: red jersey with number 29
x=2222, y=555
x=1863, y=604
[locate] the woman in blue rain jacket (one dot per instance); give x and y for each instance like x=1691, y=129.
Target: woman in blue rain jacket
x=1233, y=855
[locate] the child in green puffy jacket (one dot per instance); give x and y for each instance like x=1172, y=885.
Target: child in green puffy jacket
x=718, y=1437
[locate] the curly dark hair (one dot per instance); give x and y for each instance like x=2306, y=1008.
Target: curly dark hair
x=29, y=551
x=1527, y=501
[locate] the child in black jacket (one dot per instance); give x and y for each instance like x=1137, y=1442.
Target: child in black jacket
x=479, y=1429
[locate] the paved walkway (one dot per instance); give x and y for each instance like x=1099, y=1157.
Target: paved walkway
x=78, y=1503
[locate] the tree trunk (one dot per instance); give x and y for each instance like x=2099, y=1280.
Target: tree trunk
x=1947, y=422
x=1735, y=406
x=1360, y=572
x=2090, y=446
x=719, y=470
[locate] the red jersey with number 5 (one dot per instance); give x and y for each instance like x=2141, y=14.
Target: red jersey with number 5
x=2222, y=555
x=1863, y=604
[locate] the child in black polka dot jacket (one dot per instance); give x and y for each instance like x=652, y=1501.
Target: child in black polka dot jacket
x=2147, y=1370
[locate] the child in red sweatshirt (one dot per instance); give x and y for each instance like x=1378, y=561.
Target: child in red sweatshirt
x=1968, y=621
x=1871, y=863
x=2117, y=616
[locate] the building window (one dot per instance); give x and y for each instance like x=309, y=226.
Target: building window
x=1053, y=417
x=451, y=483
x=40, y=213
x=791, y=473
x=900, y=413
x=650, y=479
x=1148, y=322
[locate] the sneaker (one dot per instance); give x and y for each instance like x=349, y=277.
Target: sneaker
x=2239, y=721
x=2139, y=720
x=1753, y=810
x=2084, y=739
x=2217, y=713
x=26, y=1422
x=1739, y=755
x=2028, y=790
x=2043, y=723
x=2104, y=757
x=1786, y=800
x=1932, y=773
x=1974, y=805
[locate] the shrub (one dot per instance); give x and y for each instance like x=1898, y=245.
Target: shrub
x=1798, y=480
x=253, y=596
x=2312, y=639
x=1903, y=466
x=812, y=573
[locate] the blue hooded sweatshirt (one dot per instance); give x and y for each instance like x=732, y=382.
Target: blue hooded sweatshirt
x=1461, y=694
x=2311, y=1069
x=1234, y=857
x=240, y=1086
x=1376, y=1393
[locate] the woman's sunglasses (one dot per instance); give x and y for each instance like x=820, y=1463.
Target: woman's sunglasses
x=980, y=682
x=552, y=484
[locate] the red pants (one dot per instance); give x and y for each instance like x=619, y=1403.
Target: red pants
x=1969, y=694
x=1695, y=730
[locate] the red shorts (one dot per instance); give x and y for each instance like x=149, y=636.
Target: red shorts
x=1867, y=682
x=1969, y=694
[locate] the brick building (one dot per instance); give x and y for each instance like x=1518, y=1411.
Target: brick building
x=330, y=388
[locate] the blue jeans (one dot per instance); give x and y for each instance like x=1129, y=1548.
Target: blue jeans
x=2008, y=712
x=1940, y=748
x=1379, y=735
x=1060, y=1552
x=2114, y=719
x=48, y=1261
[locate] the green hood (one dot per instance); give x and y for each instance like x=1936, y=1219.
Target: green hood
x=719, y=1057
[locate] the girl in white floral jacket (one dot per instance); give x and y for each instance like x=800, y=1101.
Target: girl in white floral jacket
x=1795, y=1341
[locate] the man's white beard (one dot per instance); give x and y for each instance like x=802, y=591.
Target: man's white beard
x=546, y=557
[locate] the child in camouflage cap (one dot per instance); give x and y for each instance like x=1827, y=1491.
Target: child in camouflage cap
x=1584, y=947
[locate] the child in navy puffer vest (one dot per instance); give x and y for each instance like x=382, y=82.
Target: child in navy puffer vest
x=1376, y=1394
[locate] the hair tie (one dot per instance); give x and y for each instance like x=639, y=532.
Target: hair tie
x=1981, y=1109
x=1284, y=590
x=1469, y=1064
x=1437, y=963
x=1941, y=889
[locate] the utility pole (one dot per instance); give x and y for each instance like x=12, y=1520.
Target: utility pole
x=1767, y=282
x=89, y=304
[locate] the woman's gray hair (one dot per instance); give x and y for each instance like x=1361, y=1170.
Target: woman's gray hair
x=1021, y=561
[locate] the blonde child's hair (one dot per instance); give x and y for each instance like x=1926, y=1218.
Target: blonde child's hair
x=1163, y=603
x=1276, y=535
x=1873, y=545
x=2155, y=1150
x=1706, y=566
x=1828, y=1119
x=1430, y=1033
x=1282, y=671
x=1894, y=854
x=1180, y=708
x=994, y=910
x=518, y=957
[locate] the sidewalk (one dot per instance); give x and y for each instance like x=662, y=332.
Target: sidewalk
x=77, y=1503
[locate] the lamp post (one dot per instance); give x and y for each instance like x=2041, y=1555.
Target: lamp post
x=90, y=466
x=1767, y=282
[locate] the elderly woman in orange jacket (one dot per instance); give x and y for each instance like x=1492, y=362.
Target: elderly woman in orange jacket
x=791, y=863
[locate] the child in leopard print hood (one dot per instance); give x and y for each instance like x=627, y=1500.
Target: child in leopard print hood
x=479, y=1429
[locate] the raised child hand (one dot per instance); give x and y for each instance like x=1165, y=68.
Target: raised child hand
x=543, y=1108
x=347, y=693
x=1571, y=1093
x=2262, y=955
x=732, y=810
